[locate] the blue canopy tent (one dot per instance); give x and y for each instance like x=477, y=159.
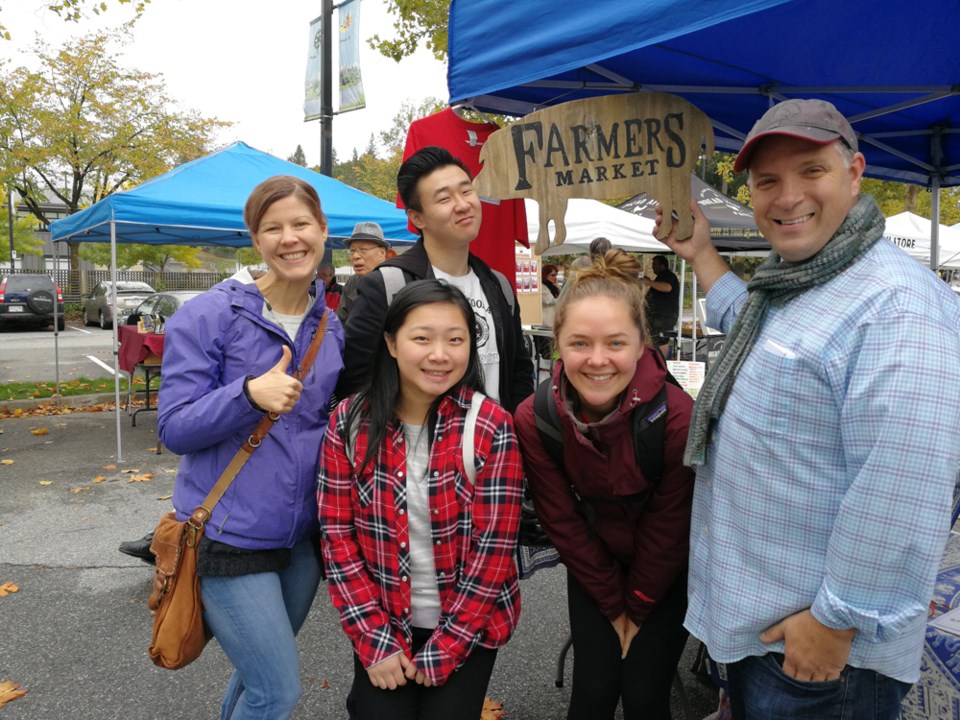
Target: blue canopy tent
x=890, y=69
x=201, y=203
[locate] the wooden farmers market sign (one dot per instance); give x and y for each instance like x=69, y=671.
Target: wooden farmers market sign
x=604, y=148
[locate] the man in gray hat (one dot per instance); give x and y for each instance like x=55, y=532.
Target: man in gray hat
x=367, y=248
x=824, y=437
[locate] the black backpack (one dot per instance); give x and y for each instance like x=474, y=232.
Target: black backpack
x=649, y=422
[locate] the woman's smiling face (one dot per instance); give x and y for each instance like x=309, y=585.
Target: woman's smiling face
x=600, y=345
x=432, y=349
x=290, y=239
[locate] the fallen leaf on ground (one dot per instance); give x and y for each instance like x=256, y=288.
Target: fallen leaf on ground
x=6, y=461
x=140, y=478
x=492, y=710
x=131, y=471
x=109, y=467
x=153, y=449
x=10, y=691
x=78, y=490
x=164, y=497
x=39, y=431
x=325, y=685
x=99, y=478
x=46, y=482
x=7, y=588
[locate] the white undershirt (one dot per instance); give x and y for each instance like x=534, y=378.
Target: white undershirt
x=290, y=323
x=424, y=592
x=487, y=349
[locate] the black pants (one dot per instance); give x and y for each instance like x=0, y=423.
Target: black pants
x=643, y=679
x=460, y=697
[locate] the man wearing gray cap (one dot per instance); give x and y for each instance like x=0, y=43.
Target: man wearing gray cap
x=824, y=438
x=367, y=248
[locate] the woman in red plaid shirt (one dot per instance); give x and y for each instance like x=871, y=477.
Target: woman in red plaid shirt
x=420, y=560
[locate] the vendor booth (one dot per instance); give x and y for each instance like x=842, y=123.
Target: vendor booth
x=722, y=57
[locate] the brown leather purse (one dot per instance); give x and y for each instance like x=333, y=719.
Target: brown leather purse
x=179, y=633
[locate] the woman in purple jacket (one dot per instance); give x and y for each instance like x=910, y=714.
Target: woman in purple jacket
x=622, y=536
x=229, y=357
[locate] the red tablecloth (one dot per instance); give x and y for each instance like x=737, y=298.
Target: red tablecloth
x=135, y=347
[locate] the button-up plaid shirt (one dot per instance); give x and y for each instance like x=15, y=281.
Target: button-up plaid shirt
x=366, y=544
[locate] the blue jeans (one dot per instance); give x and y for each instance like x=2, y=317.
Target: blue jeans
x=255, y=618
x=760, y=689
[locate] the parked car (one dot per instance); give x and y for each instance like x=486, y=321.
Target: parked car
x=30, y=299
x=98, y=305
x=164, y=304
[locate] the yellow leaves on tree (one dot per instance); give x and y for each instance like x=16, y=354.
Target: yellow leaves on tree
x=7, y=588
x=10, y=691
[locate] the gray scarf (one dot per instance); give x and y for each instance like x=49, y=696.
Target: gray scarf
x=776, y=281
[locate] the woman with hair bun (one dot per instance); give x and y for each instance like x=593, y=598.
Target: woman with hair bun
x=622, y=536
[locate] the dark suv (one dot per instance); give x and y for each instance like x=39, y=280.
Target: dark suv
x=29, y=299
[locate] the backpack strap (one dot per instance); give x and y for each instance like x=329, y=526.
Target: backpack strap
x=649, y=421
x=393, y=281
x=506, y=288
x=548, y=421
x=469, y=437
x=467, y=445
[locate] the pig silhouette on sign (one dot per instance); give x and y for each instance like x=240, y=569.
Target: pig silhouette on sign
x=603, y=148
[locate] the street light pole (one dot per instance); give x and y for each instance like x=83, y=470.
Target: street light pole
x=326, y=101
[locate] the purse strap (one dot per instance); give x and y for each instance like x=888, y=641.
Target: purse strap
x=200, y=516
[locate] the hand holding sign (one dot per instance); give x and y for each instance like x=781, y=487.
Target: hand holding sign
x=603, y=148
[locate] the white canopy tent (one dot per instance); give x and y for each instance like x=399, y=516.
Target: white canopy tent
x=589, y=219
x=911, y=233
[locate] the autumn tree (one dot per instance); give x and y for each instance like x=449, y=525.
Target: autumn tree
x=417, y=23
x=25, y=239
x=375, y=170
x=75, y=10
x=81, y=127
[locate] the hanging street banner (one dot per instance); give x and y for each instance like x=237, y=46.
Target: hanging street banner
x=313, y=100
x=351, y=85
x=602, y=148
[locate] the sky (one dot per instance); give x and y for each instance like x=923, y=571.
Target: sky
x=245, y=62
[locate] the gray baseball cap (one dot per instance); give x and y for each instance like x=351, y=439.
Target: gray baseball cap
x=367, y=231
x=815, y=120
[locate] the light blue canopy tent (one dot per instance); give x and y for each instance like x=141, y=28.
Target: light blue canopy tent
x=201, y=203
x=891, y=68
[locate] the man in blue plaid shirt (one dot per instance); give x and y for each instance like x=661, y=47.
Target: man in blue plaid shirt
x=826, y=438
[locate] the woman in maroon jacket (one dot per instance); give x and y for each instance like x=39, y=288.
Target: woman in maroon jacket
x=623, y=540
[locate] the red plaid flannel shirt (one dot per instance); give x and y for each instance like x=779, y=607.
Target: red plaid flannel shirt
x=365, y=542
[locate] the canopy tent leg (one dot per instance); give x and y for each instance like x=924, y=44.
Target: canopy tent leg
x=56, y=317
x=116, y=344
x=936, y=153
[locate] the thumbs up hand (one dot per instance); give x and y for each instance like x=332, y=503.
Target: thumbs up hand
x=275, y=391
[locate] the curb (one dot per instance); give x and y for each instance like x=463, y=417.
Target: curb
x=71, y=401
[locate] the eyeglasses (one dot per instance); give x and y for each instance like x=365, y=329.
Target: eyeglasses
x=363, y=251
